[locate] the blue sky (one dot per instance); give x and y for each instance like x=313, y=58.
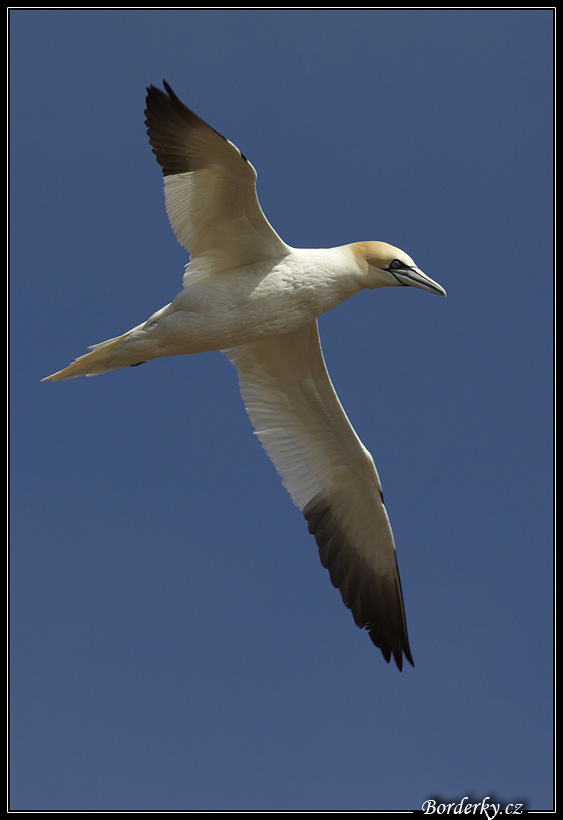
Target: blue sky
x=176, y=643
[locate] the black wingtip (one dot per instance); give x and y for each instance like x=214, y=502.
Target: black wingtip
x=376, y=601
x=399, y=658
x=395, y=652
x=169, y=90
x=154, y=90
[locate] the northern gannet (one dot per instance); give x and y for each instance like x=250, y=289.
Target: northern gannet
x=257, y=300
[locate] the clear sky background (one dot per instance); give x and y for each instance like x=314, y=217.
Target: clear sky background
x=176, y=643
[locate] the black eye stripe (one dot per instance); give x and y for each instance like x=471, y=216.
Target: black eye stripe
x=396, y=264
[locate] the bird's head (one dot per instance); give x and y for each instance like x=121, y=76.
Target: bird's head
x=383, y=266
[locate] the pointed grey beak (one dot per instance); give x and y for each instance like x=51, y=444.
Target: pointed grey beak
x=414, y=276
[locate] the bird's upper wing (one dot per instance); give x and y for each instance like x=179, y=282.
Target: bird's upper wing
x=209, y=188
x=330, y=476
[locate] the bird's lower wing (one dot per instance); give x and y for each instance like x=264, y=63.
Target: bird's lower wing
x=330, y=476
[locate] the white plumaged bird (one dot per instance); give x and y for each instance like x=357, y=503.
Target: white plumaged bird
x=257, y=300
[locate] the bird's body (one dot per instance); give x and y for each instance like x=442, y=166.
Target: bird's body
x=220, y=310
x=256, y=299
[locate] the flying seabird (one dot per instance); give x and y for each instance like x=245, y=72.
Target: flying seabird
x=257, y=300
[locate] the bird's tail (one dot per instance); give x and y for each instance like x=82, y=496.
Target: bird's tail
x=103, y=358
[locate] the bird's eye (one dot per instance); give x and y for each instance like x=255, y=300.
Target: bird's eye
x=395, y=264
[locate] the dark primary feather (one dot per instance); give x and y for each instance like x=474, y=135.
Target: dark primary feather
x=168, y=122
x=376, y=602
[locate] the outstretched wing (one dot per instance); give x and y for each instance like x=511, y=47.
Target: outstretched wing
x=330, y=476
x=209, y=188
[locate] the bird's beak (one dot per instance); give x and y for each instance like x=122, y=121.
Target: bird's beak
x=415, y=277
